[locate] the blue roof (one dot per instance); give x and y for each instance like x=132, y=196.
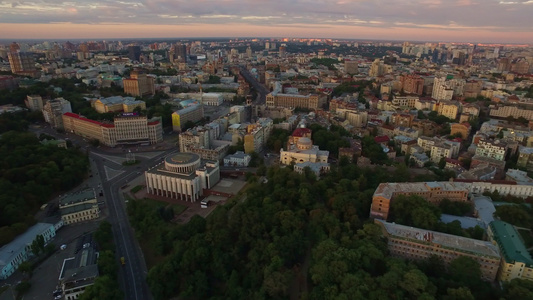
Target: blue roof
x=7, y=252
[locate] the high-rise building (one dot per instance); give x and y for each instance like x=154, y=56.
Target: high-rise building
x=139, y=84
x=34, y=102
x=22, y=63
x=180, y=53
x=249, y=52
x=351, y=66
x=53, y=112
x=412, y=84
x=282, y=51
x=134, y=53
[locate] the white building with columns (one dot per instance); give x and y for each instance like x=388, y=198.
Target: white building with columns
x=182, y=176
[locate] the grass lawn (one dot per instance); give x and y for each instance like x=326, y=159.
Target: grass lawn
x=527, y=237
x=137, y=188
x=131, y=163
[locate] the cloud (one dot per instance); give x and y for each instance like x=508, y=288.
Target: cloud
x=452, y=15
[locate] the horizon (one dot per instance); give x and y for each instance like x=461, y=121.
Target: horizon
x=459, y=21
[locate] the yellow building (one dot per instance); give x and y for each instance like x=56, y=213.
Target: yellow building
x=431, y=191
x=303, y=151
x=79, y=207
x=193, y=113
x=118, y=104
x=420, y=244
x=516, y=261
x=447, y=109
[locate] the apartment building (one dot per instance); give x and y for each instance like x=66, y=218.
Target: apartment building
x=447, y=108
x=193, y=113
x=53, y=112
x=431, y=191
x=79, y=207
x=516, y=261
x=139, y=84
x=404, y=101
x=402, y=119
x=421, y=244
x=129, y=128
x=525, y=158
x=34, y=102
x=504, y=111
x=412, y=84
x=461, y=128
x=257, y=135
x=22, y=63
x=495, y=149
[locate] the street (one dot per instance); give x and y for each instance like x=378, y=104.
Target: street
x=108, y=176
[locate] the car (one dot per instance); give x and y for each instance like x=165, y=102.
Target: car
x=63, y=247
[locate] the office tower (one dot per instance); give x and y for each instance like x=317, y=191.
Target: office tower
x=134, y=53
x=249, y=52
x=267, y=45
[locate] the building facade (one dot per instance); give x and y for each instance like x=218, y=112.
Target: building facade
x=139, y=84
x=129, y=128
x=420, y=244
x=79, y=207
x=53, y=112
x=293, y=101
x=19, y=250
x=193, y=113
x=182, y=176
x=516, y=261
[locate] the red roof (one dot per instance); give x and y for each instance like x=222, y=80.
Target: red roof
x=153, y=123
x=381, y=139
x=76, y=116
x=299, y=132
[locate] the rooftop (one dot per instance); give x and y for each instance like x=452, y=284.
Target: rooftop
x=387, y=190
x=81, y=196
x=446, y=240
x=511, y=245
x=77, y=208
x=9, y=251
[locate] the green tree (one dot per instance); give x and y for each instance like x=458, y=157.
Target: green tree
x=37, y=246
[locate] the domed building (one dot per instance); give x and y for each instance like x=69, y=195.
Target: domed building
x=304, y=154
x=182, y=176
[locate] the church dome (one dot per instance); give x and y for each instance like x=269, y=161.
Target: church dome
x=304, y=143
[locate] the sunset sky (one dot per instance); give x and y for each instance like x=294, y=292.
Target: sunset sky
x=434, y=20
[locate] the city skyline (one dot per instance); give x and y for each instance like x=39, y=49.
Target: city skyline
x=420, y=20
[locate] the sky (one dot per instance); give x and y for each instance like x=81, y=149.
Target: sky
x=482, y=21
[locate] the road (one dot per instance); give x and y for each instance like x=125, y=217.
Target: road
x=113, y=175
x=262, y=91
x=133, y=274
